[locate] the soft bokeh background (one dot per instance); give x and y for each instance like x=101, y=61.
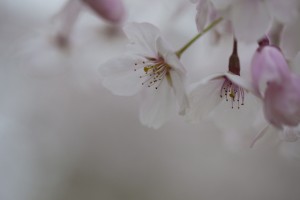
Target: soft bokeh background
x=63, y=136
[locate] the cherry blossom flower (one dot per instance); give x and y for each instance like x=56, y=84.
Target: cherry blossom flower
x=151, y=68
x=251, y=18
x=276, y=86
x=205, y=95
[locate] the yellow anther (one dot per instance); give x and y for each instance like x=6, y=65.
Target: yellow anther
x=146, y=69
x=232, y=95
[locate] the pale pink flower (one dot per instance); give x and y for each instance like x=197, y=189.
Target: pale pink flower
x=276, y=86
x=150, y=68
x=205, y=95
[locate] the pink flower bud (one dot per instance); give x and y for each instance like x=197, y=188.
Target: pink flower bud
x=282, y=102
x=268, y=65
x=276, y=86
x=111, y=10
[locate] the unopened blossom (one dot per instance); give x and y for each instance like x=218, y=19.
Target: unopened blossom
x=276, y=86
x=151, y=68
x=205, y=95
x=268, y=65
x=250, y=19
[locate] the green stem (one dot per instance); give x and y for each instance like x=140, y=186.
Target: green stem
x=185, y=47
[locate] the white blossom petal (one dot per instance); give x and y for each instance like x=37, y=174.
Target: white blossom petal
x=163, y=48
x=250, y=20
x=211, y=77
x=203, y=99
x=284, y=11
x=157, y=105
x=241, y=82
x=143, y=37
x=169, y=56
x=119, y=76
x=179, y=91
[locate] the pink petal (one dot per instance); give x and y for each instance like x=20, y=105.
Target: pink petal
x=281, y=102
x=268, y=65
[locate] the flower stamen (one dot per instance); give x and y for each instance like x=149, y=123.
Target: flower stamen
x=233, y=92
x=154, y=71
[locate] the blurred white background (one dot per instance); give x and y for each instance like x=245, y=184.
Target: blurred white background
x=63, y=136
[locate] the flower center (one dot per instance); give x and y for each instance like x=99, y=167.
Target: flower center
x=232, y=91
x=153, y=71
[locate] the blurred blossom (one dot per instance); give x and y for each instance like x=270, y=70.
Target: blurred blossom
x=206, y=14
x=111, y=10
x=251, y=19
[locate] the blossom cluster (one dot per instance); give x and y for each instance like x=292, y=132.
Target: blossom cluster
x=153, y=69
